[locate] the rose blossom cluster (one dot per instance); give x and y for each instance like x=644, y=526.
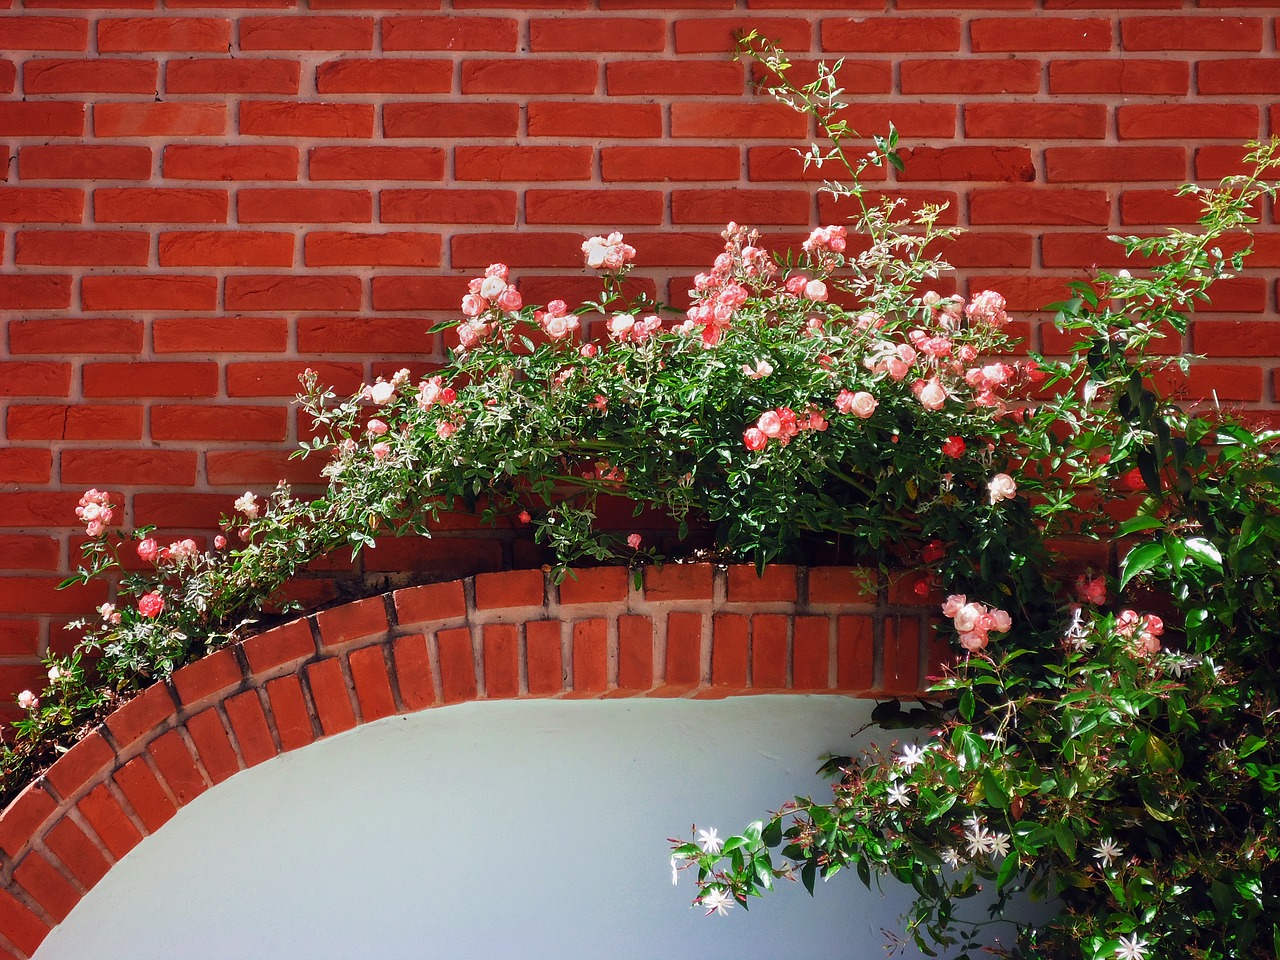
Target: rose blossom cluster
x=782, y=424
x=95, y=511
x=493, y=291
x=718, y=295
x=975, y=621
x=1143, y=630
x=432, y=392
x=384, y=391
x=824, y=243
x=608, y=253
x=556, y=321
x=625, y=328
x=860, y=404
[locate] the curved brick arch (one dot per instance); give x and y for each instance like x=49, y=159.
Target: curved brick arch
x=688, y=631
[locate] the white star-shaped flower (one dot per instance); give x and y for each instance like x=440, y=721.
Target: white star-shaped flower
x=951, y=857
x=1132, y=948
x=710, y=841
x=1107, y=851
x=717, y=901
x=912, y=756
x=997, y=843
x=898, y=794
x=975, y=837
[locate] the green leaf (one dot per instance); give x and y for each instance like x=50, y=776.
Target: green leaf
x=1139, y=560
x=1138, y=524
x=1205, y=552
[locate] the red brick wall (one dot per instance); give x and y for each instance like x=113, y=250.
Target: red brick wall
x=204, y=198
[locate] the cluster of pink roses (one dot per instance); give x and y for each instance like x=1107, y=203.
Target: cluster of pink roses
x=608, y=253
x=718, y=295
x=556, y=321
x=95, y=511
x=626, y=328
x=860, y=404
x=782, y=424
x=1143, y=630
x=975, y=621
x=492, y=292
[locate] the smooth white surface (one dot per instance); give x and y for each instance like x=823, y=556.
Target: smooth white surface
x=532, y=829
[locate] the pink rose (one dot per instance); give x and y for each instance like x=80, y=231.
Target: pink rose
x=969, y=616
x=376, y=427
x=382, y=392
x=633, y=541
x=770, y=424
x=754, y=439
x=1092, y=590
x=510, y=300
x=1001, y=487
x=150, y=604
x=381, y=451
x=492, y=287
x=28, y=700
x=148, y=550
x=473, y=305
x=954, y=447
x=930, y=393
x=863, y=404
x=219, y=542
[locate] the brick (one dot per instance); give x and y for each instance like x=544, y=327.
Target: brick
x=1237, y=77
x=719, y=36
x=289, y=708
x=706, y=78
x=30, y=379
x=257, y=379
x=450, y=120
x=35, y=292
x=44, y=33
x=149, y=293
x=841, y=585
x=511, y=588
x=45, y=118
x=1049, y=121
x=678, y=581
x=854, y=653
x=372, y=683
x=177, y=766
x=1140, y=77
x=82, y=247
x=40, y=204
x=449, y=33
x=1201, y=32
x=62, y=422
x=590, y=651
x=302, y=205
x=613, y=206
x=656, y=164
x=1035, y=205
x=376, y=163
x=684, y=650
x=308, y=32
x=901, y=655
x=757, y=207
x=243, y=423
x=224, y=75
x=159, y=205
x=972, y=76
x=457, y=665
x=501, y=644
x=769, y=652
x=542, y=76
x=1114, y=164
x=594, y=585
x=273, y=118
x=596, y=35
x=213, y=745
x=141, y=716
x=199, y=162
x=145, y=794
x=49, y=888
x=59, y=75
x=729, y=651
x=890, y=34
x=1234, y=338
x=164, y=34
x=1160, y=207
x=283, y=292
x=544, y=666
x=323, y=249
x=432, y=601
x=207, y=677
x=567, y=118
x=351, y=621
x=26, y=552
x=24, y=817
x=225, y=248
x=159, y=119
x=635, y=653
x=332, y=698
x=24, y=929
x=1032, y=35
x=103, y=813
x=811, y=654
x=80, y=855
x=522, y=163
x=413, y=672
x=746, y=120
x=82, y=764
x=249, y=724
x=218, y=334
x=777, y=583
x=1153, y=121
x=966, y=163
x=385, y=76
x=279, y=646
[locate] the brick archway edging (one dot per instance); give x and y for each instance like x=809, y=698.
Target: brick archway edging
x=688, y=631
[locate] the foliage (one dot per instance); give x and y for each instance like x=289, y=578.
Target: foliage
x=1123, y=767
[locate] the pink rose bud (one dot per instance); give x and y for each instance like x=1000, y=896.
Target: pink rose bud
x=633, y=541
x=219, y=542
x=377, y=428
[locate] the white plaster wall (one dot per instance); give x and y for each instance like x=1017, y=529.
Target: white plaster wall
x=529, y=830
